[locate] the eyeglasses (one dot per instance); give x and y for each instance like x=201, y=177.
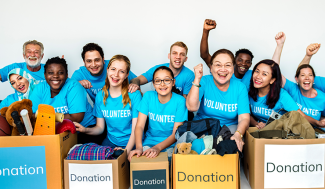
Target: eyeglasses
x=166, y=81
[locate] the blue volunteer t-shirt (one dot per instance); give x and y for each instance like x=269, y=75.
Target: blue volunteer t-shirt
x=71, y=99
x=161, y=116
x=97, y=82
x=183, y=80
x=313, y=107
x=262, y=112
x=319, y=83
x=118, y=118
x=39, y=75
x=246, y=79
x=9, y=100
x=222, y=105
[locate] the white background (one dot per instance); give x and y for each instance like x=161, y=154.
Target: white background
x=143, y=30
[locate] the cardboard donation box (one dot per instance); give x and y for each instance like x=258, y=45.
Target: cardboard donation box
x=150, y=173
x=97, y=174
x=205, y=171
x=284, y=163
x=34, y=162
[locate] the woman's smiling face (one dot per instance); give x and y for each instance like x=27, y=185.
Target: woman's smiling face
x=55, y=76
x=19, y=83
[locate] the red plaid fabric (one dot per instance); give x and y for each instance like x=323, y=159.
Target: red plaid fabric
x=91, y=151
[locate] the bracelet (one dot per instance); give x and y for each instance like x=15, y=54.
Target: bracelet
x=239, y=133
x=196, y=85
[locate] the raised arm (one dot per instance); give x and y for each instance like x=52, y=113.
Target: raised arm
x=136, y=82
x=192, y=100
x=279, y=39
x=204, y=47
x=310, y=51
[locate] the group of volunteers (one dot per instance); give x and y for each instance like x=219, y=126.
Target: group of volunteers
x=145, y=124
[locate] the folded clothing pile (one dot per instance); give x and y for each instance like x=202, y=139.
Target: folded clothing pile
x=90, y=151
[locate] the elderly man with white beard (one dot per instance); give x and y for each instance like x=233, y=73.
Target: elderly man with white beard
x=33, y=52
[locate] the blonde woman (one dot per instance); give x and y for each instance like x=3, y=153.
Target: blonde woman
x=116, y=106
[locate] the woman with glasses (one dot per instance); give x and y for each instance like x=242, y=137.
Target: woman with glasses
x=220, y=97
x=166, y=111
x=116, y=106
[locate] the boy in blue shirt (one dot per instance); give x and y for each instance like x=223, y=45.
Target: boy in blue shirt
x=33, y=52
x=92, y=75
x=183, y=76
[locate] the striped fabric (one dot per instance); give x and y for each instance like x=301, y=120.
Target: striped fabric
x=91, y=151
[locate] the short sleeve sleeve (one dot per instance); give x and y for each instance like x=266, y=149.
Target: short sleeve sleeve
x=319, y=83
x=287, y=102
x=149, y=74
x=97, y=112
x=188, y=83
x=77, y=75
x=136, y=100
x=5, y=70
x=76, y=98
x=144, y=104
x=243, y=101
x=181, y=112
x=291, y=87
x=131, y=76
x=36, y=96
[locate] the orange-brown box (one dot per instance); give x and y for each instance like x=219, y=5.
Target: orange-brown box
x=97, y=174
x=54, y=149
x=284, y=163
x=205, y=171
x=150, y=173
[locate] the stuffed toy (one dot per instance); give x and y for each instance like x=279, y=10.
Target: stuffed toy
x=185, y=148
x=18, y=106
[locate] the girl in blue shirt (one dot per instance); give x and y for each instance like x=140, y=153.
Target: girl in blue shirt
x=266, y=94
x=116, y=106
x=311, y=101
x=165, y=109
x=220, y=97
x=23, y=83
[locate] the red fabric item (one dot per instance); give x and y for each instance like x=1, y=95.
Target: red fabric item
x=66, y=125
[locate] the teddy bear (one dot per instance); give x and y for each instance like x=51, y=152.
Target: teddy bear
x=18, y=106
x=185, y=148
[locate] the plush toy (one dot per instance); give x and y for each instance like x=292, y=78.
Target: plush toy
x=185, y=148
x=18, y=106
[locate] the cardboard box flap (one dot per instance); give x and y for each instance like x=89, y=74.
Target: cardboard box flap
x=141, y=159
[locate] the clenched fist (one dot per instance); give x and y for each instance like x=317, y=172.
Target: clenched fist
x=209, y=24
x=280, y=38
x=312, y=49
x=198, y=72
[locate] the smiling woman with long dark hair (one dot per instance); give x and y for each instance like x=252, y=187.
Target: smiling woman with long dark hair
x=266, y=94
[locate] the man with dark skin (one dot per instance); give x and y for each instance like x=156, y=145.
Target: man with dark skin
x=243, y=57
